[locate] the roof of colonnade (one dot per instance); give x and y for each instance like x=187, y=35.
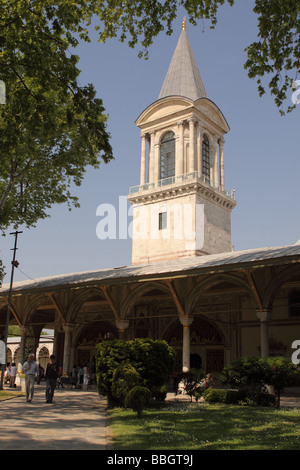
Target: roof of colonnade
x=171, y=269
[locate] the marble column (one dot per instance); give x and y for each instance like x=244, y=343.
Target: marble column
x=264, y=317
x=156, y=175
x=214, y=165
x=179, y=166
x=122, y=325
x=67, y=347
x=191, y=166
x=221, y=154
x=22, y=348
x=186, y=322
x=143, y=160
x=151, y=158
x=199, y=149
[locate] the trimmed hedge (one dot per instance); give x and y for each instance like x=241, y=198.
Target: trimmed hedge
x=239, y=397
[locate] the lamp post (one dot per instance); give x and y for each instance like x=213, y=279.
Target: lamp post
x=14, y=264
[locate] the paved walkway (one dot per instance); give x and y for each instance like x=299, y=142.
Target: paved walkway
x=77, y=420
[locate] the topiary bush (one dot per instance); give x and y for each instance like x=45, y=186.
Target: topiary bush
x=153, y=360
x=125, y=377
x=138, y=399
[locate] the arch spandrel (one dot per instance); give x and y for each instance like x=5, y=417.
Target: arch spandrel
x=138, y=292
x=211, y=282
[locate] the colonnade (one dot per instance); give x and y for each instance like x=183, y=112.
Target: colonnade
x=186, y=321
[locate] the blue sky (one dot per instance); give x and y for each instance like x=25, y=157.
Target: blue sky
x=261, y=150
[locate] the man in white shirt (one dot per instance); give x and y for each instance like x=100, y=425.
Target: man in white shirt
x=30, y=368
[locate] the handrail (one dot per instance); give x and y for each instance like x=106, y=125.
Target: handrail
x=179, y=179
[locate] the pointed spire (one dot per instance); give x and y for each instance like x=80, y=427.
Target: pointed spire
x=183, y=77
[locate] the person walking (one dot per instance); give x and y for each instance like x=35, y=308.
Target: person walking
x=13, y=373
x=30, y=368
x=51, y=376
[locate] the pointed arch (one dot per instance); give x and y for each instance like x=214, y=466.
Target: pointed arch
x=210, y=282
x=138, y=292
x=276, y=283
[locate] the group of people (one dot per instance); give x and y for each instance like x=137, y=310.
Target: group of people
x=31, y=370
x=79, y=376
x=82, y=375
x=10, y=374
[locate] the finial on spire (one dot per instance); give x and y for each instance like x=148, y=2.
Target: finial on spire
x=183, y=24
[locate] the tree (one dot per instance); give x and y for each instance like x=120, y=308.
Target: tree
x=51, y=128
x=279, y=372
x=274, y=55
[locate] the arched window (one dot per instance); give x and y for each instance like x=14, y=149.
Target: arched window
x=205, y=157
x=167, y=155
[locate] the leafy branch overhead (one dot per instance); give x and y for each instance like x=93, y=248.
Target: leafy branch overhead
x=275, y=55
x=51, y=128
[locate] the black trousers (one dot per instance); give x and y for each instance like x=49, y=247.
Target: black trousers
x=50, y=387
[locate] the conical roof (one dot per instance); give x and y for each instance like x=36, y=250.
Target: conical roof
x=183, y=77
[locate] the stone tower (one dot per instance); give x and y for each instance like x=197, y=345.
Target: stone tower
x=181, y=207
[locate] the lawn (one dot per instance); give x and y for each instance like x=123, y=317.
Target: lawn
x=212, y=427
x=7, y=394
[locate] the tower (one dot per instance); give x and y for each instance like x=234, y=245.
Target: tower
x=181, y=207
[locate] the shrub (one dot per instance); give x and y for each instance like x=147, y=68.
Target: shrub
x=159, y=393
x=239, y=397
x=152, y=360
x=244, y=373
x=279, y=372
x=138, y=399
x=125, y=377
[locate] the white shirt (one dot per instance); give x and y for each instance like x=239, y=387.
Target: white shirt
x=13, y=371
x=33, y=368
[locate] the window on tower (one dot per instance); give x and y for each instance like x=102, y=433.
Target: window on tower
x=162, y=220
x=167, y=155
x=205, y=157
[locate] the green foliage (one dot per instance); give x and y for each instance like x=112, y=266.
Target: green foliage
x=244, y=373
x=51, y=128
x=152, y=360
x=138, y=399
x=125, y=377
x=159, y=393
x=279, y=372
x=251, y=373
x=238, y=397
x=191, y=380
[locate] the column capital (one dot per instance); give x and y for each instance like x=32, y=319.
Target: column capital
x=23, y=330
x=68, y=327
x=192, y=120
x=264, y=315
x=186, y=321
x=122, y=324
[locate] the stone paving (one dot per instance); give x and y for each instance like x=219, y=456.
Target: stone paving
x=76, y=420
